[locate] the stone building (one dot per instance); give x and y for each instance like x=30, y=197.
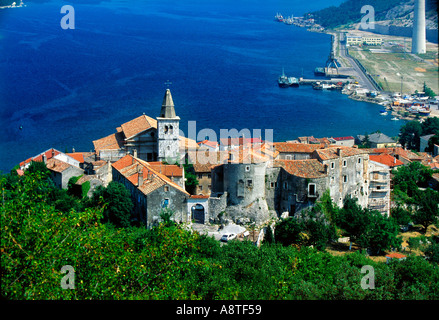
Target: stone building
x=347, y=173
x=152, y=139
x=299, y=184
x=258, y=186
x=296, y=151
x=151, y=191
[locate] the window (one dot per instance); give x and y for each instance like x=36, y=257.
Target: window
x=200, y=187
x=171, y=129
x=209, y=187
x=247, y=168
x=166, y=129
x=332, y=180
x=288, y=157
x=249, y=183
x=285, y=185
x=345, y=163
x=165, y=203
x=240, y=191
x=359, y=160
x=166, y=188
x=209, y=176
x=312, y=192
x=200, y=176
x=332, y=165
x=345, y=178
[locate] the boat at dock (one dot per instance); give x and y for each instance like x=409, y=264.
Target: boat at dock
x=424, y=112
x=383, y=112
x=284, y=81
x=319, y=71
x=288, y=20
x=293, y=82
x=279, y=18
x=395, y=119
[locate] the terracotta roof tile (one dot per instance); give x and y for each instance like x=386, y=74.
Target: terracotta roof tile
x=38, y=158
x=169, y=170
x=57, y=165
x=138, y=125
x=296, y=147
x=129, y=167
x=386, y=159
x=112, y=142
x=309, y=168
x=333, y=152
x=77, y=156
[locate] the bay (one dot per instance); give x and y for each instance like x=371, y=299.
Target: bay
x=66, y=88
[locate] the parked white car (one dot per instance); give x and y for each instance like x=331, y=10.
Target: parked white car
x=228, y=236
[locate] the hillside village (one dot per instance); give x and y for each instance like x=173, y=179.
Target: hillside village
x=240, y=179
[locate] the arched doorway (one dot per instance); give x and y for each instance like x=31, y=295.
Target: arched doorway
x=198, y=213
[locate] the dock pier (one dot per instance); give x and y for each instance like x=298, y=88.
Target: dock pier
x=328, y=81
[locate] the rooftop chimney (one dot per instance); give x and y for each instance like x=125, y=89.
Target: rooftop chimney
x=140, y=175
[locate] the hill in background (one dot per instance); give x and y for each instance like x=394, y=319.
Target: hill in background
x=393, y=12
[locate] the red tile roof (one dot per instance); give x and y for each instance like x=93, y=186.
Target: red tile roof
x=138, y=125
x=386, y=159
x=212, y=144
x=291, y=147
x=38, y=158
x=343, y=138
x=434, y=166
x=169, y=170
x=309, y=168
x=395, y=255
x=199, y=196
x=112, y=142
x=77, y=156
x=129, y=167
x=336, y=151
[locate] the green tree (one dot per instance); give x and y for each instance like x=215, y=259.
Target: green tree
x=409, y=135
x=319, y=231
x=428, y=210
x=434, y=140
x=38, y=166
x=354, y=221
x=365, y=143
x=269, y=236
x=382, y=234
x=430, y=126
x=401, y=216
x=191, y=178
x=428, y=91
x=409, y=178
x=289, y=231
x=117, y=202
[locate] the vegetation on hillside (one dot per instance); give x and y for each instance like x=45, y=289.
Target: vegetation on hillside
x=169, y=261
x=350, y=11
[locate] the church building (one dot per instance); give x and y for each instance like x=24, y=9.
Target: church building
x=147, y=138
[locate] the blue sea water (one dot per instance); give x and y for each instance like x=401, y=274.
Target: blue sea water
x=69, y=87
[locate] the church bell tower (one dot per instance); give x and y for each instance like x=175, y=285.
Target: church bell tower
x=168, y=131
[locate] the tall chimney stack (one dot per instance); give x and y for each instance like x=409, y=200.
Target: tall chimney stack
x=140, y=175
x=418, y=36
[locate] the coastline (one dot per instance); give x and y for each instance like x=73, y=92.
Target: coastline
x=381, y=96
